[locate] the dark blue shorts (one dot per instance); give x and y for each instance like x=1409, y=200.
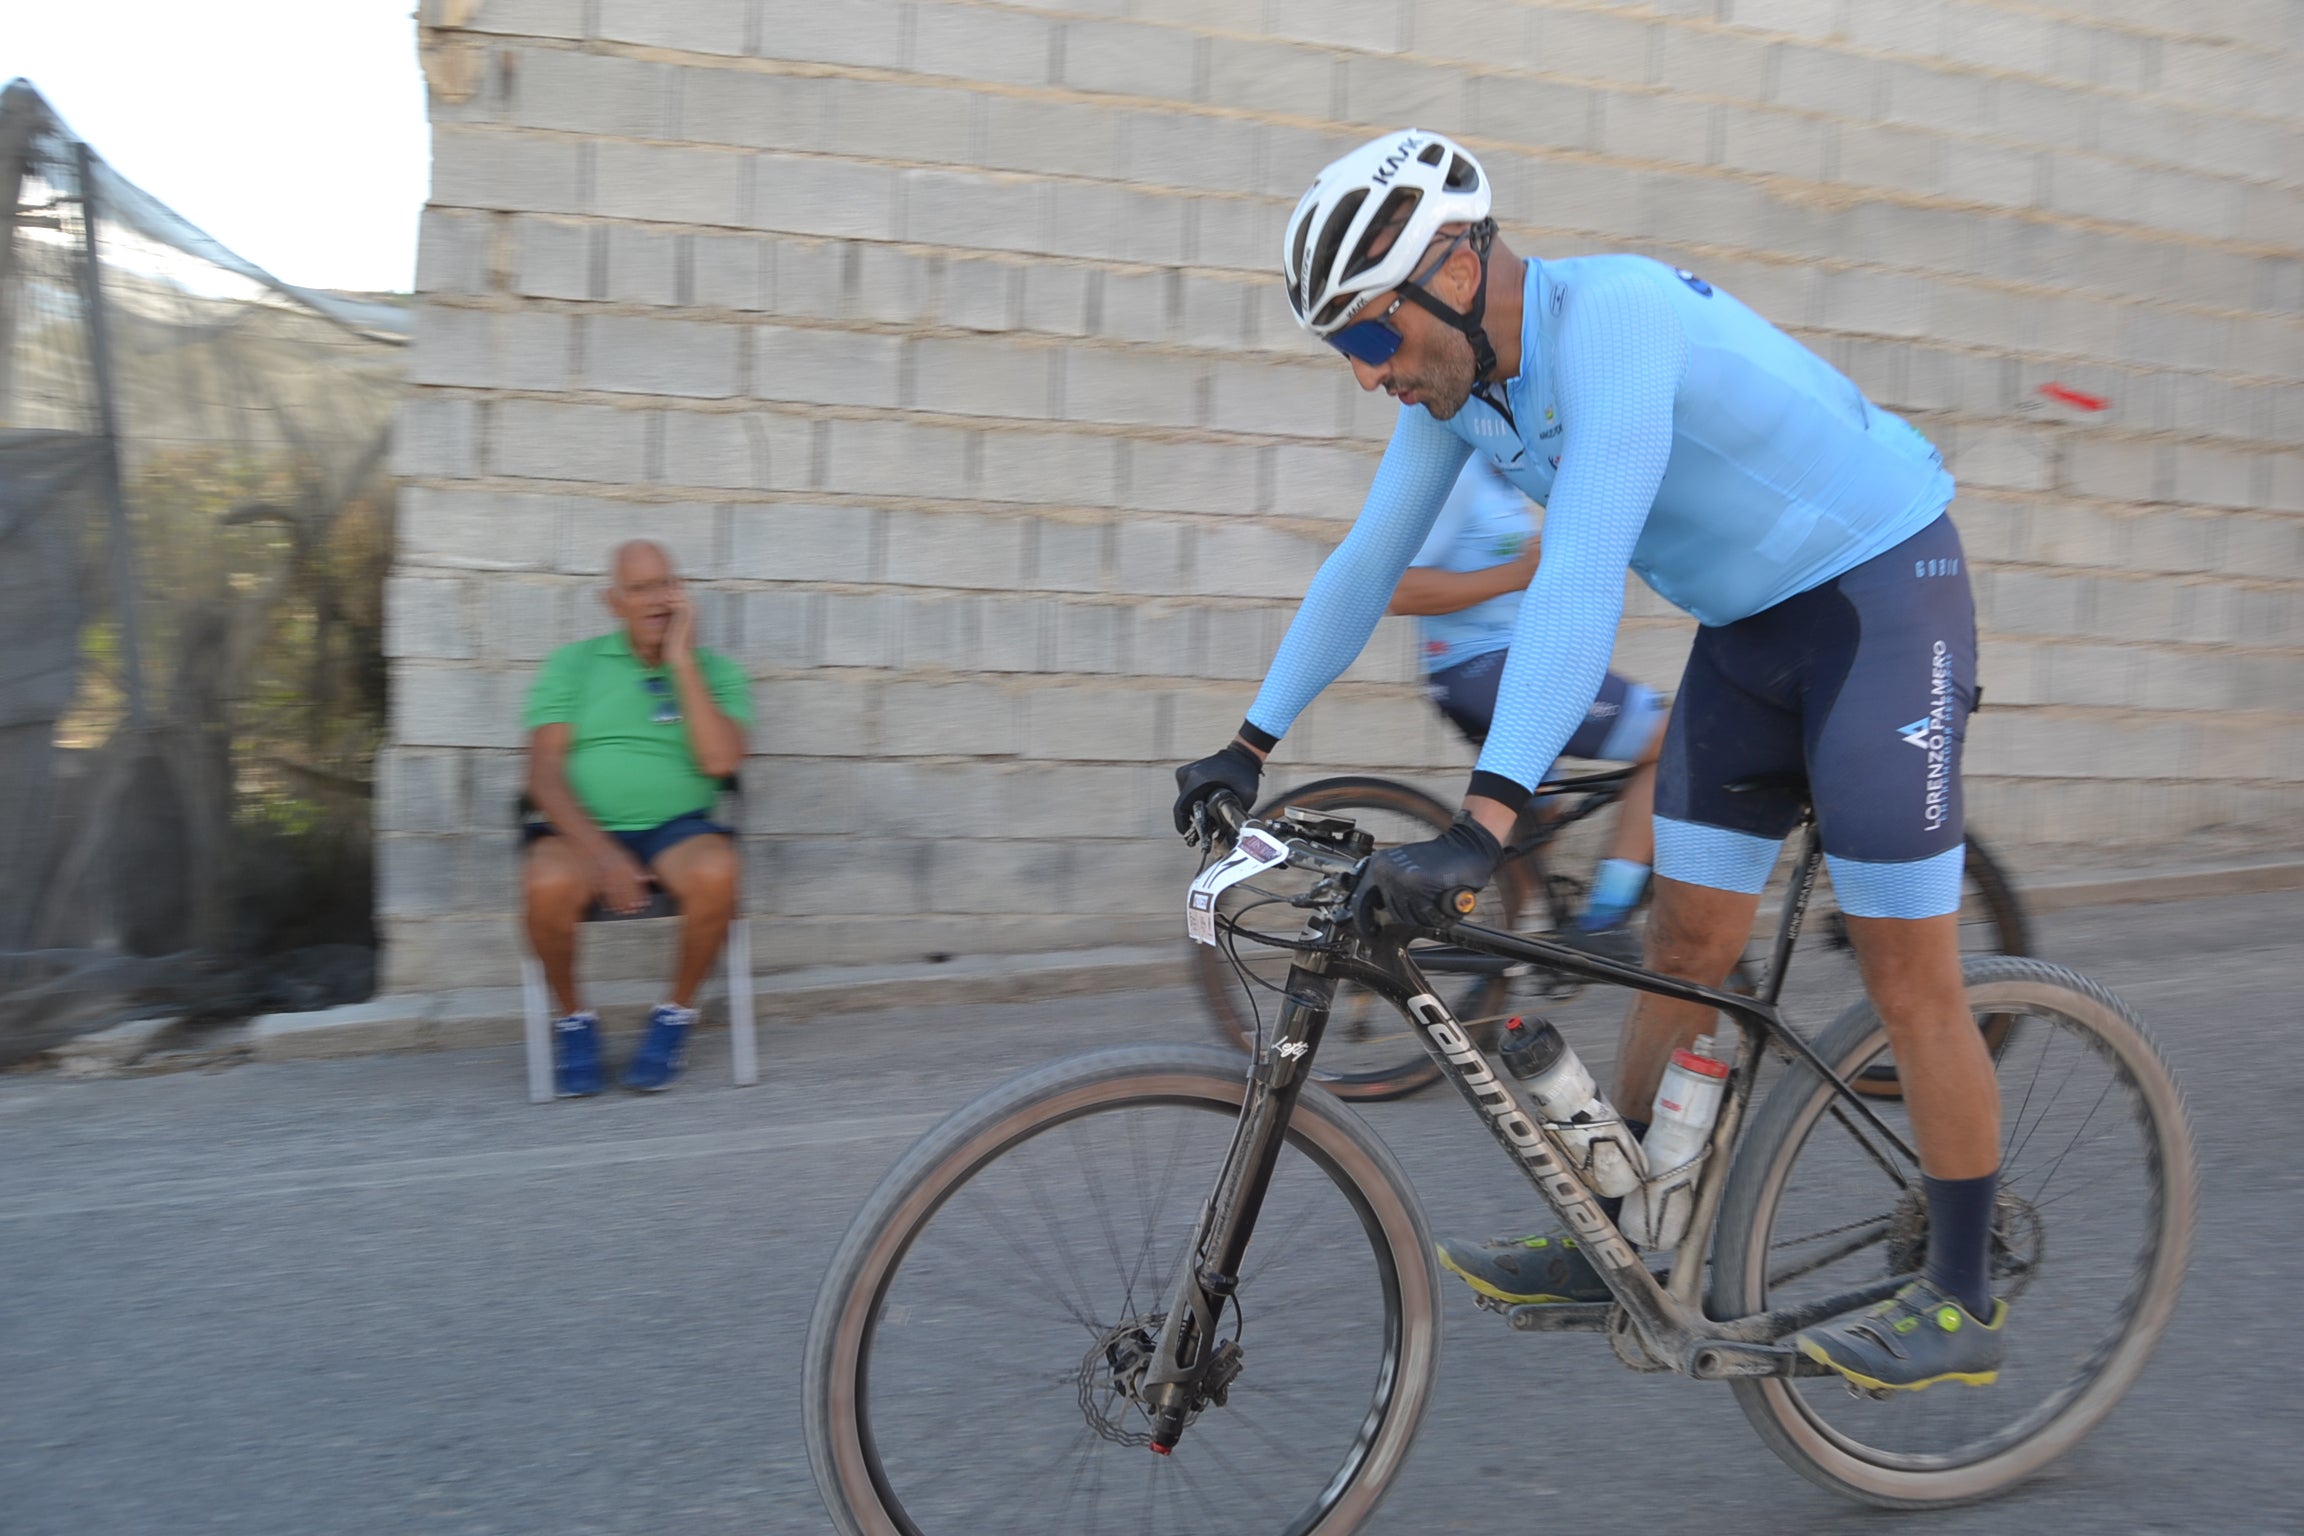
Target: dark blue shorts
x=1863, y=684
x=1617, y=728
x=648, y=842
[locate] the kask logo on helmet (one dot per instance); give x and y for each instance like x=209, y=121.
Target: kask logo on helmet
x=1399, y=157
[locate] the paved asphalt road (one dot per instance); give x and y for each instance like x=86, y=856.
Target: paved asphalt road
x=386, y=1295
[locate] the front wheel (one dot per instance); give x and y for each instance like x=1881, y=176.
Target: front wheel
x=2093, y=1232
x=975, y=1357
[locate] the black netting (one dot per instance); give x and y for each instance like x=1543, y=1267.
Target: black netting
x=195, y=527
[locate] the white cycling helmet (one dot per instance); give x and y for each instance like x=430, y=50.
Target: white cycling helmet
x=1428, y=179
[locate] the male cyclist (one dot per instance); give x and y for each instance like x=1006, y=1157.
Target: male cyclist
x=1466, y=584
x=1669, y=429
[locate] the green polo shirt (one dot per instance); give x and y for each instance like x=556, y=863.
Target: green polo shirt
x=630, y=767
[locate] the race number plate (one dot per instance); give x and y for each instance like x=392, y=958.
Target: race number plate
x=1254, y=854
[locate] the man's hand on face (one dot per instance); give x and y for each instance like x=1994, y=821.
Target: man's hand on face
x=680, y=627
x=619, y=881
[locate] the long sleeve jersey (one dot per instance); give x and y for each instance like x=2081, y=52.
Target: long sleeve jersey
x=1664, y=427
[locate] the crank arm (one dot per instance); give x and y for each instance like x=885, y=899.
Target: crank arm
x=1726, y=1360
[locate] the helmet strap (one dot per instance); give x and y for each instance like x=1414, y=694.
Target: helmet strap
x=1481, y=236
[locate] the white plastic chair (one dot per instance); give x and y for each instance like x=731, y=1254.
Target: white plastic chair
x=536, y=998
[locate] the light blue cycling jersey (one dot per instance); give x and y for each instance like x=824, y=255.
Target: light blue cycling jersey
x=1664, y=426
x=1484, y=523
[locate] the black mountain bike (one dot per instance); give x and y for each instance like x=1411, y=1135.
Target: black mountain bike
x=1371, y=1052
x=1050, y=1317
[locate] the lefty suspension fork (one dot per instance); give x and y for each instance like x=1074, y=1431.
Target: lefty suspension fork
x=1177, y=1383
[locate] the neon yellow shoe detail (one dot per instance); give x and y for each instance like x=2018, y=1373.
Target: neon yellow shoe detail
x=1916, y=1338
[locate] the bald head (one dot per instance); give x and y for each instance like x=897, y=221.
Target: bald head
x=639, y=560
x=643, y=589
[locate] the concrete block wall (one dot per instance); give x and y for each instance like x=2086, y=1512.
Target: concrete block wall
x=939, y=339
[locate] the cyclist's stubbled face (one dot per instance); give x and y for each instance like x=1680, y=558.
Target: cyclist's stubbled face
x=1434, y=367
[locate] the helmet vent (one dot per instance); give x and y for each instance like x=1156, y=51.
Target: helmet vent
x=1391, y=217
x=1331, y=240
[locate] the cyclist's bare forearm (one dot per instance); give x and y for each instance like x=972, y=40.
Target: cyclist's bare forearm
x=1427, y=589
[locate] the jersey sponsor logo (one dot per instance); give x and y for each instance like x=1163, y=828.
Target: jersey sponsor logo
x=1693, y=281
x=1915, y=734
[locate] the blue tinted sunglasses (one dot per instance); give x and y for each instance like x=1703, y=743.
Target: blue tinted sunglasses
x=1371, y=341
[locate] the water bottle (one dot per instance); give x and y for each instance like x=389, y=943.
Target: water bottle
x=1657, y=1214
x=1594, y=1135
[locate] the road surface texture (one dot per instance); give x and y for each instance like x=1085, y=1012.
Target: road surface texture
x=387, y=1295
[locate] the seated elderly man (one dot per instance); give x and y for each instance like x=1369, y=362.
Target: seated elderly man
x=630, y=735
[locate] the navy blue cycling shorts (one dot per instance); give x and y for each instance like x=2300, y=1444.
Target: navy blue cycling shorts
x=1617, y=728
x=1864, y=685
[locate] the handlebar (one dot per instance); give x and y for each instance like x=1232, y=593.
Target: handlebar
x=1222, y=814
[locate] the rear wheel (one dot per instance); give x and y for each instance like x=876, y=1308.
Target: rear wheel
x=2093, y=1234
x=1369, y=1050
x=975, y=1357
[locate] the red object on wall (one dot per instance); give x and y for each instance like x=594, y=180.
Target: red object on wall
x=2074, y=398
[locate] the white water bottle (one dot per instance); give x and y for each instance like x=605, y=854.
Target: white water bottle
x=1568, y=1103
x=1657, y=1214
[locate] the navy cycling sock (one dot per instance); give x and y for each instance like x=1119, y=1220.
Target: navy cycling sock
x=1960, y=1240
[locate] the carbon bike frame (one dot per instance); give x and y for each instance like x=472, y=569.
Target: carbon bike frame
x=1668, y=1325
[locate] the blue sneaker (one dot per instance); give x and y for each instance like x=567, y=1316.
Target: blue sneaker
x=662, y=1050
x=576, y=1056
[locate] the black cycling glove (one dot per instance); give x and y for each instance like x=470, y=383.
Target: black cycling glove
x=1235, y=768
x=1404, y=885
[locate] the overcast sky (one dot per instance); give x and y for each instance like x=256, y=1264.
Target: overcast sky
x=291, y=130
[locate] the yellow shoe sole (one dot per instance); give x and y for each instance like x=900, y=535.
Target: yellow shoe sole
x=1492, y=1293
x=1816, y=1352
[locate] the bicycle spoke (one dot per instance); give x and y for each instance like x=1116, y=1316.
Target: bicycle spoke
x=1111, y=1234
x=1153, y=1227
x=1872, y=1235
x=1054, y=1292
x=2049, y=1176
x=1213, y=1445
x=1278, y=1246
x=1880, y=1160
x=2009, y=1151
